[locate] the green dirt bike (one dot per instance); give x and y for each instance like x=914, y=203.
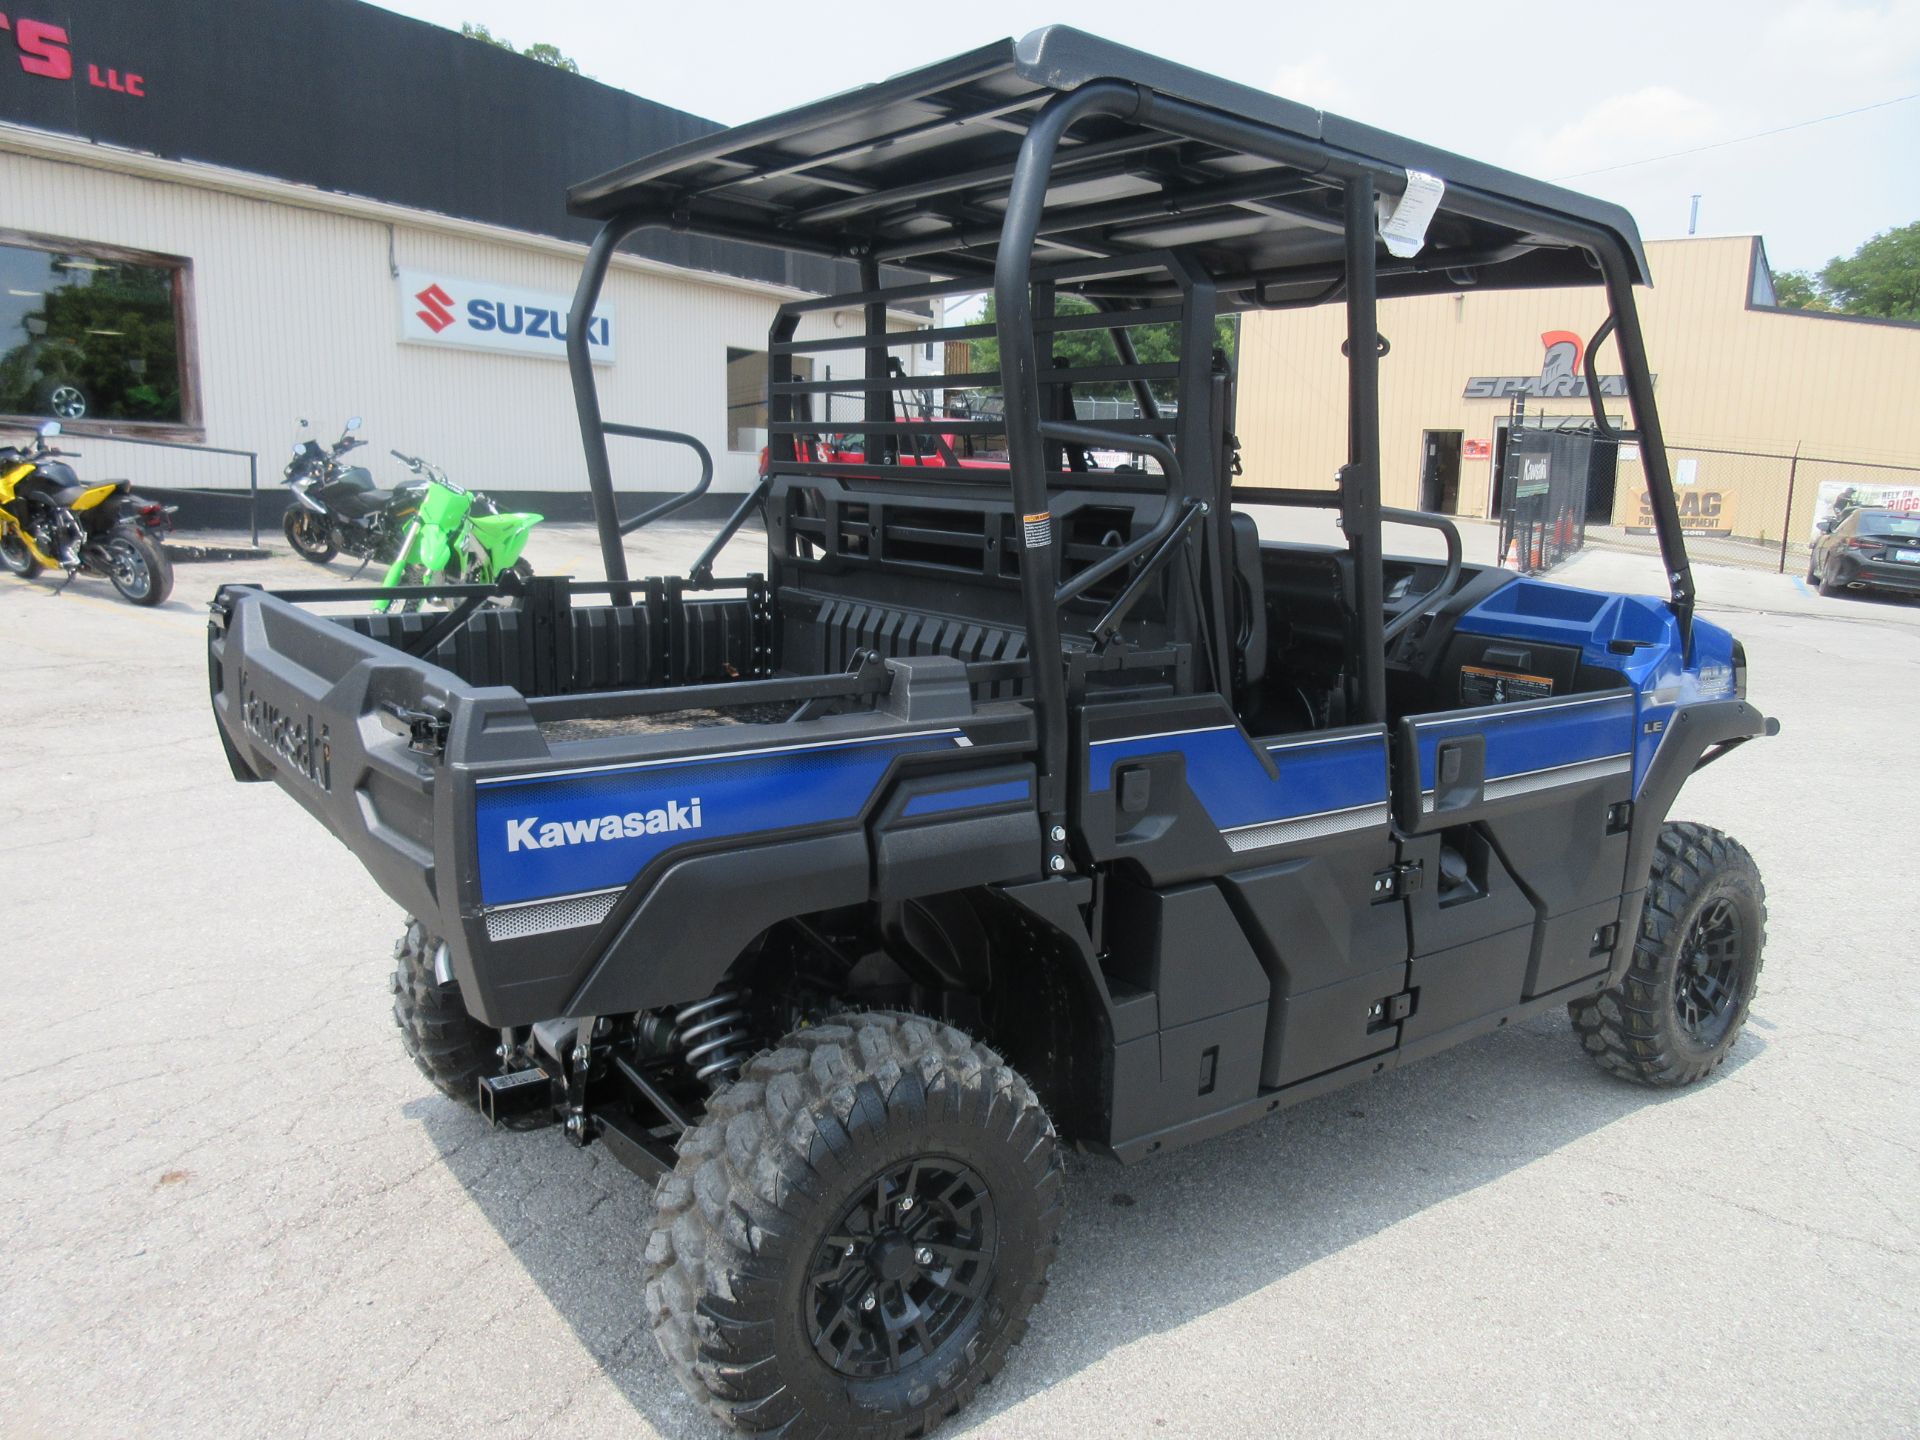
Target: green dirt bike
x=457, y=537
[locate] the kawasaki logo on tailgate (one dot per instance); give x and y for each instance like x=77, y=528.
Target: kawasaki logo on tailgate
x=530, y=834
x=302, y=746
x=542, y=836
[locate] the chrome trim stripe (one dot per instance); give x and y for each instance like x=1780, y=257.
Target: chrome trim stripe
x=1304, y=827
x=555, y=899
x=1525, y=782
x=702, y=759
x=1355, y=738
x=543, y=917
x=1161, y=735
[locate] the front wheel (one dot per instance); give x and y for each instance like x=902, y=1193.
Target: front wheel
x=1684, y=1000
x=856, y=1233
x=138, y=568
x=310, y=535
x=15, y=555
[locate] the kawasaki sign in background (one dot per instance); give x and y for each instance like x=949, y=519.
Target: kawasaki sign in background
x=438, y=309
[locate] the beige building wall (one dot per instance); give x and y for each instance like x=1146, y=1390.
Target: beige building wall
x=1729, y=376
x=296, y=312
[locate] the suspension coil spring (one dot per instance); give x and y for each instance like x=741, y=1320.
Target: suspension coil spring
x=712, y=1034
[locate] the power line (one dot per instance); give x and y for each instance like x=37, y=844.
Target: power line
x=1742, y=139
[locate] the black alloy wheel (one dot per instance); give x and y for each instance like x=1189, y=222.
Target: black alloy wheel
x=904, y=1267
x=1676, y=1013
x=138, y=568
x=856, y=1232
x=310, y=534
x=1704, y=982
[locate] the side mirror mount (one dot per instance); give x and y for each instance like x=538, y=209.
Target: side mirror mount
x=50, y=429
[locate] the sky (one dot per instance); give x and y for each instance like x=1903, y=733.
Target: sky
x=1587, y=95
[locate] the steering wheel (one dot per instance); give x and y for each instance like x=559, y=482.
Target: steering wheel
x=1449, y=581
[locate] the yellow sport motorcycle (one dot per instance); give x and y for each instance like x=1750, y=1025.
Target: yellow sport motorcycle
x=49, y=519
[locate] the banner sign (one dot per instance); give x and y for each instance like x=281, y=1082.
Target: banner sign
x=437, y=309
x=1836, y=497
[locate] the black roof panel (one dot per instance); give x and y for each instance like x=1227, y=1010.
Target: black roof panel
x=915, y=170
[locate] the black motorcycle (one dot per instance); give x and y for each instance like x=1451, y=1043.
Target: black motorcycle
x=337, y=507
x=52, y=519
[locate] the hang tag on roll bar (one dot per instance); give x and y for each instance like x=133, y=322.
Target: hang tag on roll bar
x=1405, y=229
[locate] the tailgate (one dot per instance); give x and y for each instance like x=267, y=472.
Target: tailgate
x=351, y=729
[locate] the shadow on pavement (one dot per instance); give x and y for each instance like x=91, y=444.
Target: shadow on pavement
x=1195, y=1231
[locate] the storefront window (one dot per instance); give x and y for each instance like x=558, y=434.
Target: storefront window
x=747, y=396
x=89, y=336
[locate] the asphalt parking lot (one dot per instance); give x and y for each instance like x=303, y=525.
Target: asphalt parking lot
x=229, y=1206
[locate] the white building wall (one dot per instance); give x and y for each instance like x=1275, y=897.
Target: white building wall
x=296, y=312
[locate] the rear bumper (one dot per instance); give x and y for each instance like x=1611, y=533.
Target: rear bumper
x=1878, y=575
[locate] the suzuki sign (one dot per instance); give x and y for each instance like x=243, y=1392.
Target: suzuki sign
x=438, y=309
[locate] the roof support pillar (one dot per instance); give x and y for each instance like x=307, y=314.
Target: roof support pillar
x=1020, y=381
x=1360, y=479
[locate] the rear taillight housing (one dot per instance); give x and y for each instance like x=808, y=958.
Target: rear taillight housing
x=1865, y=542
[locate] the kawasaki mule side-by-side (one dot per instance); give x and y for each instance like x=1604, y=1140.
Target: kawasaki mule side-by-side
x=1026, y=800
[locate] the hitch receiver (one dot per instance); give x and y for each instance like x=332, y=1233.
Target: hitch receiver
x=516, y=1095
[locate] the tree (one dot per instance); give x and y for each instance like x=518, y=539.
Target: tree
x=544, y=53
x=1881, y=278
x=1152, y=344
x=1799, y=290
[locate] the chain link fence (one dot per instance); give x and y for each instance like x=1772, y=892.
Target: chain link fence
x=1748, y=508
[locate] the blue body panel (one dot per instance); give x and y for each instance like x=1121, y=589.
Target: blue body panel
x=1318, y=774
x=1530, y=738
x=1590, y=621
x=545, y=836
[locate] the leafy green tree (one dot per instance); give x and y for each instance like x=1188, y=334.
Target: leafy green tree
x=1799, y=290
x=544, y=53
x=1881, y=278
x=1152, y=344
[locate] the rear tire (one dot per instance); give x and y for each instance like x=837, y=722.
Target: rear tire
x=309, y=535
x=1827, y=586
x=874, y=1157
x=452, y=1049
x=1696, y=964
x=139, y=569
x=17, y=558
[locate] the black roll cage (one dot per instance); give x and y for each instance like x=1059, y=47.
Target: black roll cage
x=1159, y=121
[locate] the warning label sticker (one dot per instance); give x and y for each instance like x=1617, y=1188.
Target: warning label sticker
x=1482, y=686
x=1037, y=530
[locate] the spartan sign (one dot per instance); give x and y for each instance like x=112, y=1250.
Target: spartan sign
x=1560, y=377
x=1560, y=371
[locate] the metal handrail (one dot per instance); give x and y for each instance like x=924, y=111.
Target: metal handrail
x=667, y=437
x=252, y=458
x=1171, y=517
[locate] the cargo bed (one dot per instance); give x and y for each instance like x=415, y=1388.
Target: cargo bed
x=550, y=784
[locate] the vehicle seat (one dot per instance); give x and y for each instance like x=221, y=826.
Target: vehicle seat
x=356, y=503
x=1249, y=598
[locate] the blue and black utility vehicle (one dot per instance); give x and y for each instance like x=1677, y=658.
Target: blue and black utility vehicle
x=1021, y=798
